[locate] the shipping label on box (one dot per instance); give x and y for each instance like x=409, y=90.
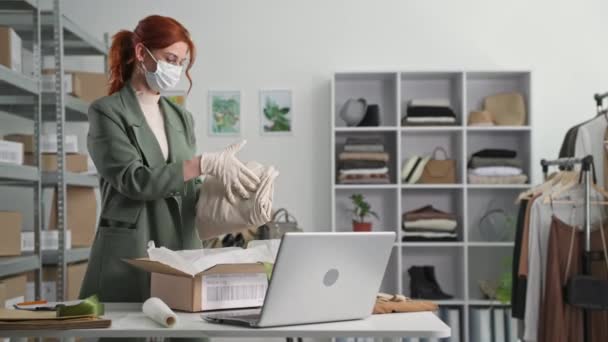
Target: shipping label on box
x=49, y=240
x=240, y=290
x=11, y=152
x=48, y=83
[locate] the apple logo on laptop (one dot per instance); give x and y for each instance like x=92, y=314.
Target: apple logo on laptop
x=331, y=277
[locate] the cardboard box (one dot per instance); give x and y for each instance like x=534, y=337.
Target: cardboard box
x=81, y=215
x=49, y=240
x=245, y=284
x=11, y=152
x=74, y=278
x=75, y=162
x=10, y=227
x=48, y=143
x=88, y=86
x=12, y=290
x=10, y=49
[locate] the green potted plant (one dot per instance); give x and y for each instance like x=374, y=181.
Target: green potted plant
x=362, y=210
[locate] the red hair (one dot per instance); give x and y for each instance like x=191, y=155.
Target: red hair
x=155, y=32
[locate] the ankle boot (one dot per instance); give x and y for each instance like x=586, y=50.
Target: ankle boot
x=429, y=273
x=420, y=287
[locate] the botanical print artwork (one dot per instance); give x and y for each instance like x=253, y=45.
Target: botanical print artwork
x=225, y=112
x=276, y=111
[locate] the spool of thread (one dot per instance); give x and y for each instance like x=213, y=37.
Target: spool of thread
x=159, y=312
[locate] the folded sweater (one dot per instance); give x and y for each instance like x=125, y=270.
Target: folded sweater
x=363, y=179
x=476, y=162
x=445, y=119
x=364, y=148
x=430, y=102
x=361, y=164
x=430, y=225
x=430, y=234
x=427, y=212
x=383, y=170
x=495, y=153
x=475, y=179
x=497, y=171
x=427, y=111
x=378, y=156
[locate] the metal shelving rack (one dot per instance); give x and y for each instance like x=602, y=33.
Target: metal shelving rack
x=17, y=86
x=50, y=33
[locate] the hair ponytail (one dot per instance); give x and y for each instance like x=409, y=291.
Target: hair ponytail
x=155, y=32
x=121, y=59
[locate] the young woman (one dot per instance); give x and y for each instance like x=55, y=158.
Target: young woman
x=144, y=149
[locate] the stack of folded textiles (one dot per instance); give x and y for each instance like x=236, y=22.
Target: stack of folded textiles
x=424, y=112
x=363, y=162
x=429, y=224
x=496, y=166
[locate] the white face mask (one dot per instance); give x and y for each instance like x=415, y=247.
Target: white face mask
x=165, y=77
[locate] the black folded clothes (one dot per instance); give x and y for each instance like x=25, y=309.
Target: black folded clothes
x=430, y=112
x=428, y=239
x=495, y=153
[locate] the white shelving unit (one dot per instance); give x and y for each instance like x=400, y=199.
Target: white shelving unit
x=460, y=264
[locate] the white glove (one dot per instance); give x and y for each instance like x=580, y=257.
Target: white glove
x=235, y=176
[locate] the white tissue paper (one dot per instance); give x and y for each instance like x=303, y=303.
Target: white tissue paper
x=159, y=312
x=195, y=261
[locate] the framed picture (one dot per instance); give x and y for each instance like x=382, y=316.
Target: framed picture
x=224, y=113
x=176, y=96
x=276, y=112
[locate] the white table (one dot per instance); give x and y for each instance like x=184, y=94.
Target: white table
x=129, y=321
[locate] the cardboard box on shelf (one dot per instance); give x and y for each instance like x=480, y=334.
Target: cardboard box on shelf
x=10, y=227
x=75, y=162
x=74, y=274
x=81, y=215
x=49, y=240
x=10, y=49
x=206, y=290
x=11, y=152
x=48, y=142
x=12, y=290
x=88, y=86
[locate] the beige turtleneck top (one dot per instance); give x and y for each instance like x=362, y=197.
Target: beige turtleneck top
x=150, y=106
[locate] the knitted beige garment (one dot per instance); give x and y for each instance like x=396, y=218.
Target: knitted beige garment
x=216, y=216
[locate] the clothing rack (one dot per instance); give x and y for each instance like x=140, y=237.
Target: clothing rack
x=586, y=168
x=599, y=98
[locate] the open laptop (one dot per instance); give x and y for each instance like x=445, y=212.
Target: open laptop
x=319, y=277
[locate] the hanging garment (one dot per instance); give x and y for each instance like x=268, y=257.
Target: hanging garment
x=590, y=141
x=559, y=321
x=216, y=216
x=518, y=292
x=538, y=234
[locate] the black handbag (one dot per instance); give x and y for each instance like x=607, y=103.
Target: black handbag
x=586, y=291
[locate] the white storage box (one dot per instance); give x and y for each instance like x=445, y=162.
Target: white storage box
x=49, y=144
x=11, y=152
x=49, y=240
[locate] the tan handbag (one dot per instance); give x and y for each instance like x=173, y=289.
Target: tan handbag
x=439, y=171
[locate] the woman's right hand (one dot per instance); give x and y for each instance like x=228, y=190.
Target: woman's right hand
x=235, y=176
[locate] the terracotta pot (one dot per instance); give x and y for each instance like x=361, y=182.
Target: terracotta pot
x=362, y=226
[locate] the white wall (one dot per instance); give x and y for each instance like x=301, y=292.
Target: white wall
x=249, y=45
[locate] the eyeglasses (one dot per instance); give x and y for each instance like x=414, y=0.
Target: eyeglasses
x=173, y=59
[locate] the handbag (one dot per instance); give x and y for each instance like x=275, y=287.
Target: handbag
x=496, y=224
x=586, y=291
x=281, y=223
x=439, y=171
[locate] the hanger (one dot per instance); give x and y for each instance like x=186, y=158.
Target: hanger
x=553, y=179
x=569, y=180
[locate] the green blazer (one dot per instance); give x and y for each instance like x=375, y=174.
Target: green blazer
x=143, y=197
